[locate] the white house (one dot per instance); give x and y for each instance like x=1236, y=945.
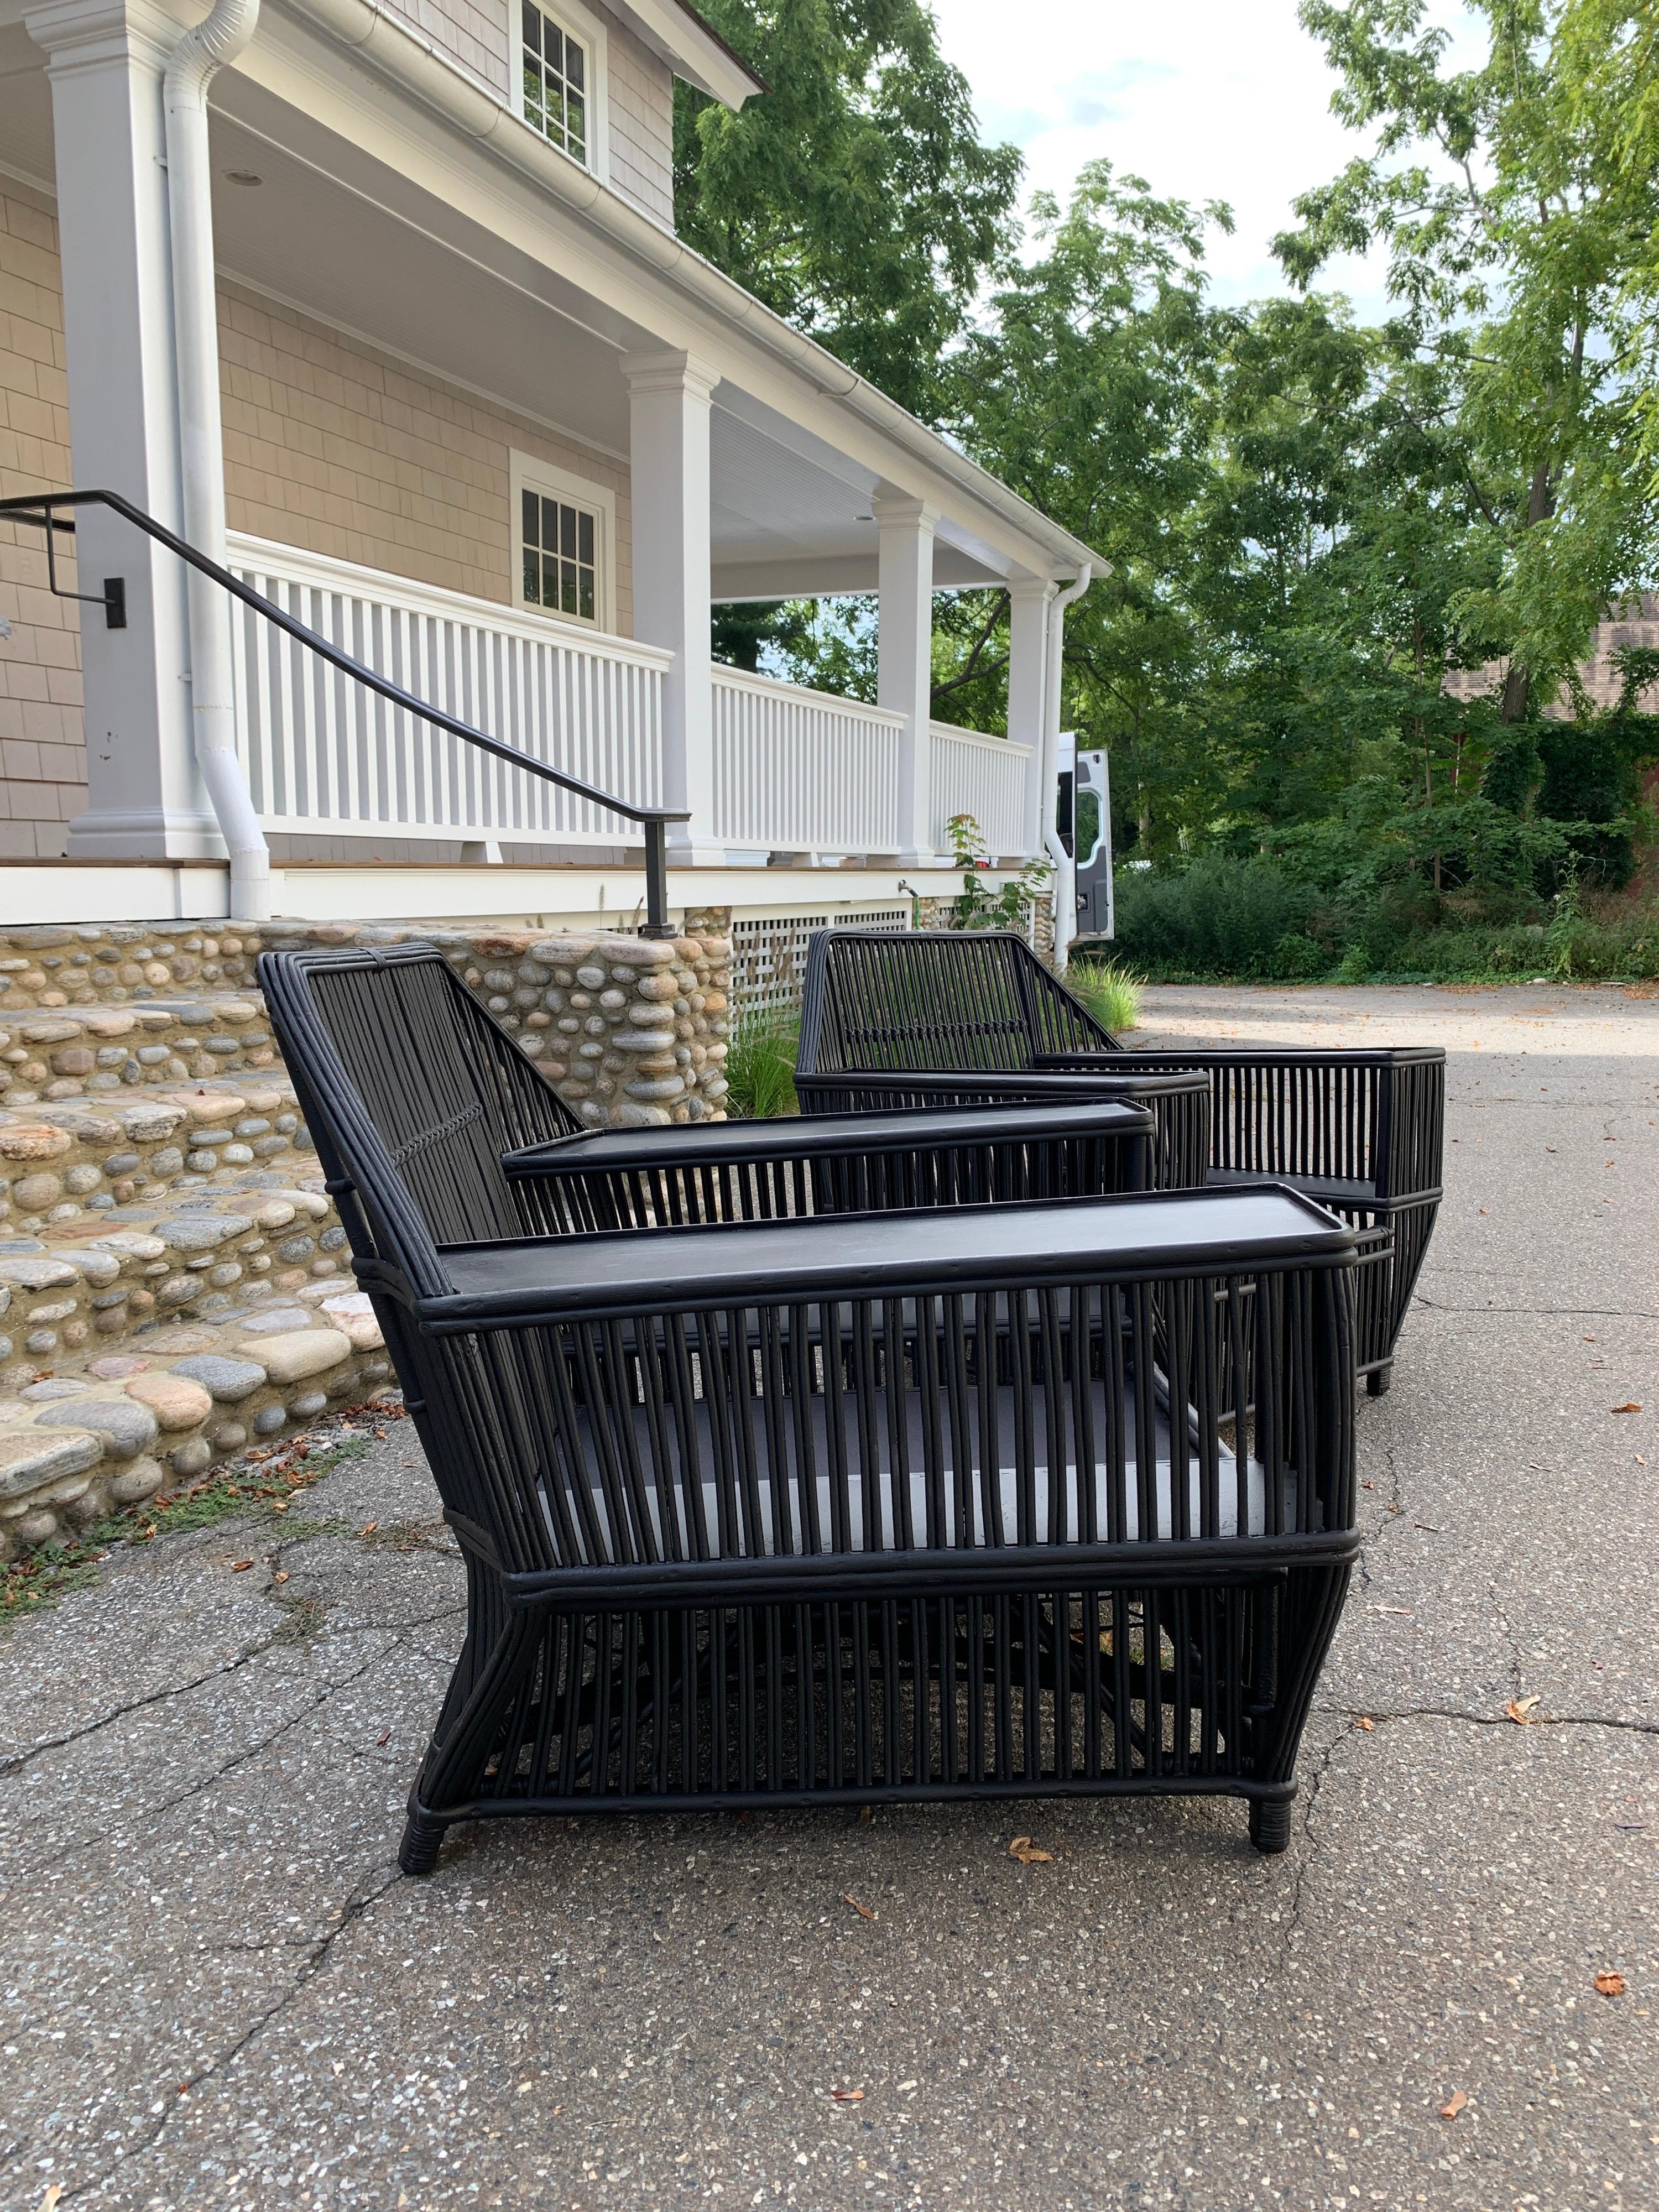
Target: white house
x=383, y=304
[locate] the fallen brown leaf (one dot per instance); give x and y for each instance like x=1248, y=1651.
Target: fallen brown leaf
x=241, y=1566
x=51, y=2198
x=384, y=1737
x=1027, y=1853
x=1370, y=1726
x=280, y=1575
x=1610, y=1985
x=1630, y=1406
x=1454, y=2105
x=1519, y=1710
x=369, y=1526
x=863, y=1911
x=847, y=2096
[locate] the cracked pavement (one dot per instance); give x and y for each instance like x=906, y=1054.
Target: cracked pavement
x=218, y=1992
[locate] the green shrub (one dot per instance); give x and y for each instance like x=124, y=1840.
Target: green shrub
x=1110, y=991
x=1220, y=916
x=760, y=1064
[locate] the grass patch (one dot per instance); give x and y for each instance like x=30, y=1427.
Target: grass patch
x=264, y=1484
x=760, y=1064
x=1110, y=990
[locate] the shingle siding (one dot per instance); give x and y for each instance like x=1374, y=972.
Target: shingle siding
x=334, y=448
x=642, y=123
x=42, y=756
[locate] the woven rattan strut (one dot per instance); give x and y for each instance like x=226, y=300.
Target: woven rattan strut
x=1016, y=1490
x=894, y=1018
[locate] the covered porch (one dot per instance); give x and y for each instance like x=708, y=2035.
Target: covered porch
x=497, y=435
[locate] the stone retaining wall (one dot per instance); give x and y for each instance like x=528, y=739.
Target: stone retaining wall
x=174, y=1279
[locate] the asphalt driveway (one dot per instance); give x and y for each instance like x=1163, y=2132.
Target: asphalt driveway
x=218, y=1991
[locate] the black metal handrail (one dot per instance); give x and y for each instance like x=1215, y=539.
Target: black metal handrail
x=38, y=507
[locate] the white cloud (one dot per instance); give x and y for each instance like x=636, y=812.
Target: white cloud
x=1207, y=100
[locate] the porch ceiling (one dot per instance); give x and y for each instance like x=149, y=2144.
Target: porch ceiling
x=331, y=232
x=789, y=515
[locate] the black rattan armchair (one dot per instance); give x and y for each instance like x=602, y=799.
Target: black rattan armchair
x=1361, y=1131
x=946, y=1502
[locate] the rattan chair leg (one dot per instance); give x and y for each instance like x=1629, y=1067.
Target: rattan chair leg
x=1378, y=1381
x=1270, y=1822
x=417, y=1853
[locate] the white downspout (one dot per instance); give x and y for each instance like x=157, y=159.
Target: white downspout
x=219, y=38
x=1065, y=892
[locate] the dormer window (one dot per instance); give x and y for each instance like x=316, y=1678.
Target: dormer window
x=558, y=78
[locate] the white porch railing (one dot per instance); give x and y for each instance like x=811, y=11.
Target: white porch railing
x=984, y=777
x=322, y=756
x=800, y=771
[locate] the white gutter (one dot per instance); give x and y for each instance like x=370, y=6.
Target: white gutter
x=409, y=61
x=1065, y=866
x=219, y=38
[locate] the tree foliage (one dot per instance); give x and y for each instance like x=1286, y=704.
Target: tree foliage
x=1319, y=533
x=854, y=197
x=1504, y=199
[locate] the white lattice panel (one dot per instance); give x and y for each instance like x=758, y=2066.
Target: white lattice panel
x=768, y=951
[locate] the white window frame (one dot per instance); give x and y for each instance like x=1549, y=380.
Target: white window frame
x=525, y=474
x=571, y=16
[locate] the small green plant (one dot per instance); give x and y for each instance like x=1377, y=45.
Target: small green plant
x=1566, y=925
x=251, y=1485
x=1110, y=991
x=1010, y=908
x=760, y=1065
x=1354, y=966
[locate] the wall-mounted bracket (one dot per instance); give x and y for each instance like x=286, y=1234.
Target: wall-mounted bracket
x=114, y=597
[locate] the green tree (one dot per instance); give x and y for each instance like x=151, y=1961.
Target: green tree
x=1504, y=207
x=854, y=197
x=1088, y=386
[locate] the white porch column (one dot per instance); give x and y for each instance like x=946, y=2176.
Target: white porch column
x=107, y=59
x=1028, y=601
x=673, y=585
x=905, y=660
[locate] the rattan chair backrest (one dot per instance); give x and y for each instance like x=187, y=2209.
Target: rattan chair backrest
x=413, y=1094
x=950, y=1000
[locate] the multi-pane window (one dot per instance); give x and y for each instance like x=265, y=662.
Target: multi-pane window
x=556, y=88
x=561, y=569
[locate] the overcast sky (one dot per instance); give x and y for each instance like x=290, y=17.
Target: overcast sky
x=1222, y=99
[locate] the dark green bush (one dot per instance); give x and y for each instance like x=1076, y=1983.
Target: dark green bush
x=1219, y=916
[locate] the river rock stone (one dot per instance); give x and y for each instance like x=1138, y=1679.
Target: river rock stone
x=141, y=1480
x=306, y=1351
x=127, y=1427
x=280, y=1321
x=28, y=1461
x=229, y=1381
x=204, y=1232
x=175, y=1400
x=33, y=1140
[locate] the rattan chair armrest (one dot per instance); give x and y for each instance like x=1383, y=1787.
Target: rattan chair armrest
x=794, y=1137
x=1160, y=1235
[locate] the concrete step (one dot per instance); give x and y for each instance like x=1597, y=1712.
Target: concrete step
x=72, y=1050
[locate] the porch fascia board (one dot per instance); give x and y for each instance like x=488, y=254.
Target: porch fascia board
x=835, y=574
x=525, y=895
x=491, y=171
